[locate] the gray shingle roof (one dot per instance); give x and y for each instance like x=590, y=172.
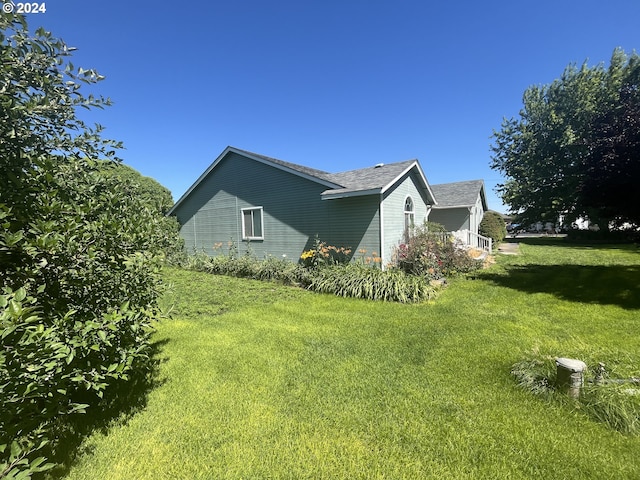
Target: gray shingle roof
x=375, y=178
x=370, y=178
x=312, y=172
x=458, y=194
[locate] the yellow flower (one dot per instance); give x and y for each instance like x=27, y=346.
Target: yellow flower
x=307, y=254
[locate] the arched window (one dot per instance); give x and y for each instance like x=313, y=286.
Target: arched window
x=409, y=216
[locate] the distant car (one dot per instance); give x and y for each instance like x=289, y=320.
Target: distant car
x=514, y=227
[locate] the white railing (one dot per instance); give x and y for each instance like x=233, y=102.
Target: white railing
x=473, y=240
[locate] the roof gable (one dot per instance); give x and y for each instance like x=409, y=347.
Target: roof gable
x=377, y=179
x=312, y=174
x=459, y=194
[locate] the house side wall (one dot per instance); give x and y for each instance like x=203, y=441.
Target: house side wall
x=393, y=213
x=452, y=219
x=477, y=212
x=354, y=223
x=293, y=212
x=292, y=209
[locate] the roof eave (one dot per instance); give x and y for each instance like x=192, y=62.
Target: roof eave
x=353, y=193
x=443, y=207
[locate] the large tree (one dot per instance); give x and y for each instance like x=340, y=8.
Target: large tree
x=612, y=174
x=552, y=154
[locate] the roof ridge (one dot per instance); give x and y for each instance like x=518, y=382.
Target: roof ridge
x=376, y=166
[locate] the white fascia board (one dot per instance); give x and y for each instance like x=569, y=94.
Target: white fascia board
x=351, y=193
x=447, y=207
x=383, y=250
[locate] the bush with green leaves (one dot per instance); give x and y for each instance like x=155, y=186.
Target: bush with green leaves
x=432, y=253
x=371, y=283
x=79, y=253
x=157, y=199
x=80, y=263
x=493, y=226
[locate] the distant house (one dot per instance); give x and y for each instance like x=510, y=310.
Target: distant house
x=279, y=208
x=461, y=205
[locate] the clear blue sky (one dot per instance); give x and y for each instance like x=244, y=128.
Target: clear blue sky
x=335, y=85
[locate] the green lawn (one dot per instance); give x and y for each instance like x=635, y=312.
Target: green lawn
x=262, y=381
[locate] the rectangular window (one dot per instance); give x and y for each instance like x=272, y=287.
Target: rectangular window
x=252, y=224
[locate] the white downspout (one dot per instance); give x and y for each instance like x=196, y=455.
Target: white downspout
x=383, y=248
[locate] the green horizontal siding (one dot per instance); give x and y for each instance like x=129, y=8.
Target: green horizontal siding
x=293, y=212
x=354, y=222
x=393, y=212
x=453, y=219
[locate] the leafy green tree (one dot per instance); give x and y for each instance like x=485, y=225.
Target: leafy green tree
x=79, y=252
x=610, y=184
x=544, y=154
x=493, y=226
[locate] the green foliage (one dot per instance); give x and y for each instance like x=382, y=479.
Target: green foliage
x=39, y=95
x=535, y=374
x=79, y=253
x=358, y=279
x=156, y=199
x=153, y=194
x=432, y=253
x=323, y=254
x=612, y=166
x=248, y=266
x=370, y=283
x=492, y=226
x=616, y=405
x=79, y=272
x=574, y=149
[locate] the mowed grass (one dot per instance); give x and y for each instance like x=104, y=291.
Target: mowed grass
x=261, y=381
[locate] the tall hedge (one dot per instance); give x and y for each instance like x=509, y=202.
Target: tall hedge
x=79, y=252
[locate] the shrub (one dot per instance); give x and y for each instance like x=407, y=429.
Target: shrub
x=493, y=226
x=278, y=269
x=79, y=277
x=370, y=283
x=79, y=252
x=603, y=236
x=432, y=253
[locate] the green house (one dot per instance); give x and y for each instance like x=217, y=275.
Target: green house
x=278, y=208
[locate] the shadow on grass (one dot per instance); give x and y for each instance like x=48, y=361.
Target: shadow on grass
x=563, y=241
x=607, y=285
x=121, y=402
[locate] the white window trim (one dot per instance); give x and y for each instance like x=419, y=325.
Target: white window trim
x=249, y=209
x=411, y=213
